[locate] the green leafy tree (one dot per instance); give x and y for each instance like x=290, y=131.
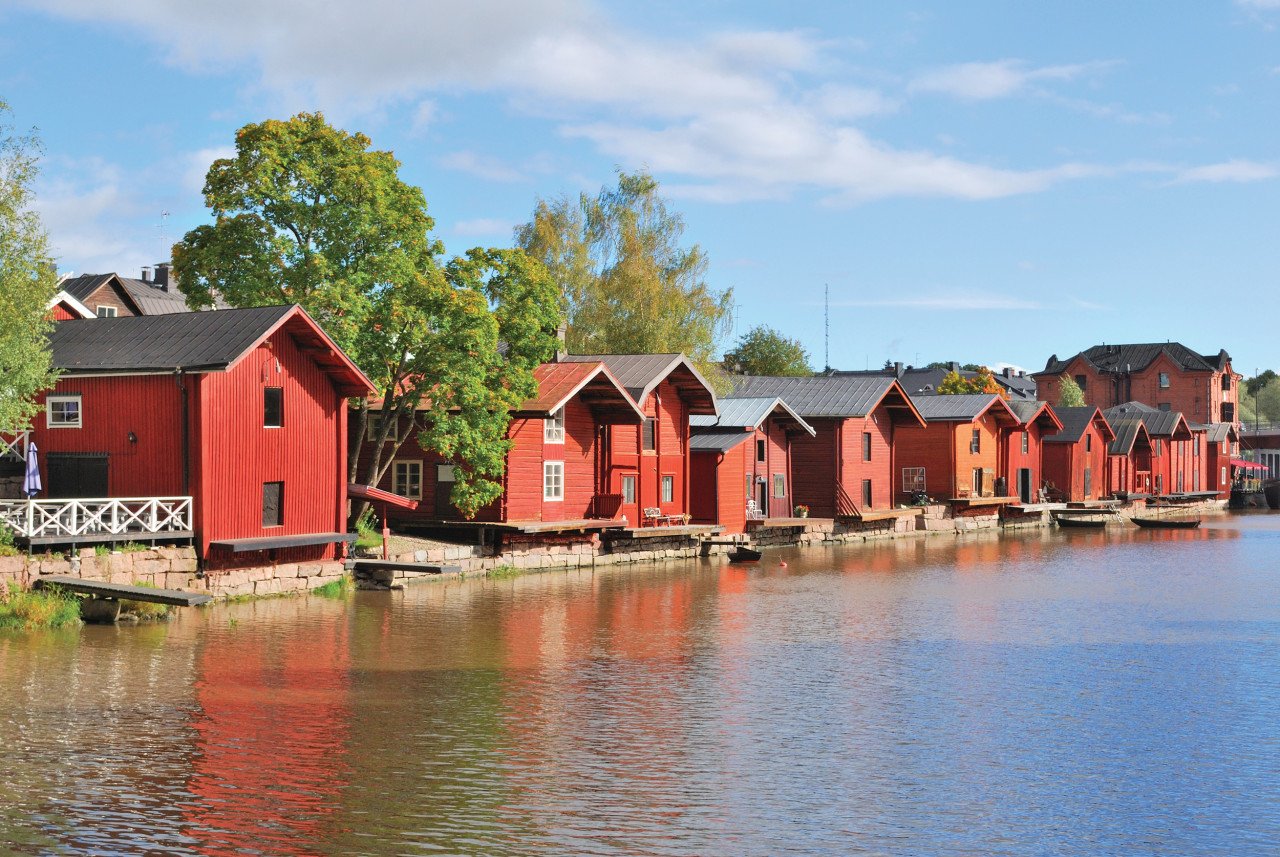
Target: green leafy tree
x=27, y=280
x=627, y=283
x=942, y=364
x=955, y=384
x=1255, y=384
x=1261, y=401
x=1069, y=393
x=764, y=351
x=306, y=213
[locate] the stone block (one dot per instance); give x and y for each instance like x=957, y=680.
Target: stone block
x=150, y=567
x=54, y=566
x=266, y=587
x=13, y=565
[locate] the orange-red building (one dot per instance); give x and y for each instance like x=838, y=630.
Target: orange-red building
x=1024, y=450
x=1174, y=462
x=958, y=453
x=1166, y=375
x=741, y=468
x=1075, y=459
x=848, y=466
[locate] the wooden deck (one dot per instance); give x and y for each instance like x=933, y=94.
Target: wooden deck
x=786, y=522
x=870, y=515
x=118, y=591
x=984, y=501
x=532, y=527
x=659, y=532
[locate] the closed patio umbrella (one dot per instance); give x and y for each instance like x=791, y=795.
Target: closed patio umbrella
x=31, y=484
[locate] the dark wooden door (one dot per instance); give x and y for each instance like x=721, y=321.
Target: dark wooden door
x=1024, y=484
x=77, y=475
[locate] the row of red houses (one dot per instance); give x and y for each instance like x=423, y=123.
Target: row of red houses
x=230, y=428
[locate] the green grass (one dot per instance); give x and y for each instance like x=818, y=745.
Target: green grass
x=369, y=540
x=335, y=588
x=133, y=547
x=7, y=547
x=25, y=610
x=146, y=610
x=502, y=572
x=101, y=550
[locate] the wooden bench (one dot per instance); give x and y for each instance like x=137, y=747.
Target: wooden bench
x=659, y=519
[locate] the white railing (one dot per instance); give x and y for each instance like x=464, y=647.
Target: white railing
x=13, y=445
x=93, y=519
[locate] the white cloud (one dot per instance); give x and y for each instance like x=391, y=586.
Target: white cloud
x=83, y=212
x=484, y=226
x=980, y=81
x=481, y=166
x=1240, y=171
x=198, y=164
x=1259, y=4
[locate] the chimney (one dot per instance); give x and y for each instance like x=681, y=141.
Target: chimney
x=953, y=366
x=1007, y=372
x=164, y=277
x=897, y=369
x=146, y=273
x=562, y=334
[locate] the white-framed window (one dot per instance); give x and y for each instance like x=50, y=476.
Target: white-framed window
x=373, y=426
x=553, y=480
x=1164, y=380
x=553, y=428
x=408, y=479
x=668, y=488
x=106, y=311
x=912, y=479
x=975, y=442
x=629, y=488
x=779, y=485
x=272, y=407
x=63, y=412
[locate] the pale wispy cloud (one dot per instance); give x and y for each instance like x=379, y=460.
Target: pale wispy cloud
x=484, y=226
x=1239, y=171
x=481, y=166
x=980, y=81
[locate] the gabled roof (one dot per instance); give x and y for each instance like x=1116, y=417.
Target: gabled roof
x=1128, y=430
x=603, y=393
x=1032, y=411
x=1075, y=421
x=62, y=297
x=193, y=342
x=839, y=396
x=1138, y=357
x=641, y=373
x=147, y=298
x=1171, y=424
x=924, y=381
x=84, y=285
x=750, y=413
x=1218, y=432
x=966, y=408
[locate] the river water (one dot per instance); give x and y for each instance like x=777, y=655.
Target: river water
x=1045, y=693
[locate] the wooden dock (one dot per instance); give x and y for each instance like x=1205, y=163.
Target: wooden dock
x=120, y=591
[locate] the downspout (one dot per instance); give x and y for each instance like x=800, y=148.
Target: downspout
x=178, y=376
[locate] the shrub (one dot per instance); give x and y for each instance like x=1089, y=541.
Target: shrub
x=7, y=547
x=45, y=608
x=335, y=588
x=502, y=572
x=145, y=610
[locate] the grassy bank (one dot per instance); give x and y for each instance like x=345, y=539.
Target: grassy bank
x=24, y=610
x=336, y=588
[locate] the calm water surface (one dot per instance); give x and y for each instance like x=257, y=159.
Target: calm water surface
x=1083, y=693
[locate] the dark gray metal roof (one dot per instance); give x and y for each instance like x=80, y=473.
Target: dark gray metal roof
x=84, y=285
x=1158, y=423
x=150, y=299
x=1074, y=422
x=925, y=381
x=818, y=396
x=967, y=407
x=640, y=373
x=161, y=343
x=1139, y=356
x=747, y=412
x=1127, y=430
x=1218, y=432
x=717, y=441
x=1026, y=410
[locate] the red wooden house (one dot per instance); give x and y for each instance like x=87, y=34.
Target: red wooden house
x=648, y=463
x=116, y=296
x=741, y=467
x=957, y=454
x=1219, y=441
x=64, y=307
x=1129, y=458
x=557, y=468
x=225, y=427
x=847, y=468
x=1024, y=452
x=1171, y=467
x=1075, y=459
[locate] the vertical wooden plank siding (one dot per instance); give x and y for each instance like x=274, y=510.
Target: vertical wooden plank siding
x=812, y=471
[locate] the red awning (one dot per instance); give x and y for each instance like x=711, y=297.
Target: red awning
x=377, y=495
x=1247, y=465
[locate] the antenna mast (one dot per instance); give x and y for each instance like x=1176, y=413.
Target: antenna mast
x=826, y=326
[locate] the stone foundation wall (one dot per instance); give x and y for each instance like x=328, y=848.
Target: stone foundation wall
x=168, y=568
x=11, y=487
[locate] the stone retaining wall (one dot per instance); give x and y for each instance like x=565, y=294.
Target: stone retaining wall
x=168, y=568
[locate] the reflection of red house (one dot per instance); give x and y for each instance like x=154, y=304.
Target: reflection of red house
x=848, y=467
x=957, y=454
x=240, y=410
x=1024, y=451
x=1075, y=459
x=744, y=456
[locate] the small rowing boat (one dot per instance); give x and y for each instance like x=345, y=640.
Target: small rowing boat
x=744, y=554
x=1167, y=523
x=1074, y=523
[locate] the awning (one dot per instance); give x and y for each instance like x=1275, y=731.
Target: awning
x=377, y=495
x=1247, y=465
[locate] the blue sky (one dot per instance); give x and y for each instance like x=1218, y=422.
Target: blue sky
x=988, y=182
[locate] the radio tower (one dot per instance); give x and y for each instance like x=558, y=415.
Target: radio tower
x=826, y=326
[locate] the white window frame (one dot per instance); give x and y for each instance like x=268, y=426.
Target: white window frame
x=553, y=428
x=553, y=480
x=779, y=485
x=917, y=477
x=622, y=488
x=413, y=464
x=668, y=488
x=371, y=428
x=50, y=401
x=104, y=311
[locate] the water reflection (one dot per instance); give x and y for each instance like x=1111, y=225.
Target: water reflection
x=1048, y=693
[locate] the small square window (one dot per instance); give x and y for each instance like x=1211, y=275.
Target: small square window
x=374, y=425
x=408, y=479
x=63, y=412
x=272, y=407
x=553, y=480
x=912, y=479
x=553, y=428
x=272, y=504
x=1164, y=406
x=106, y=311
x=668, y=489
x=649, y=434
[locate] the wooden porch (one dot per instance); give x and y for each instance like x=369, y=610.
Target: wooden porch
x=84, y=521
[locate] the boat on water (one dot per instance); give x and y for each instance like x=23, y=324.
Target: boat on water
x=1167, y=523
x=1078, y=523
x=1271, y=490
x=744, y=554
